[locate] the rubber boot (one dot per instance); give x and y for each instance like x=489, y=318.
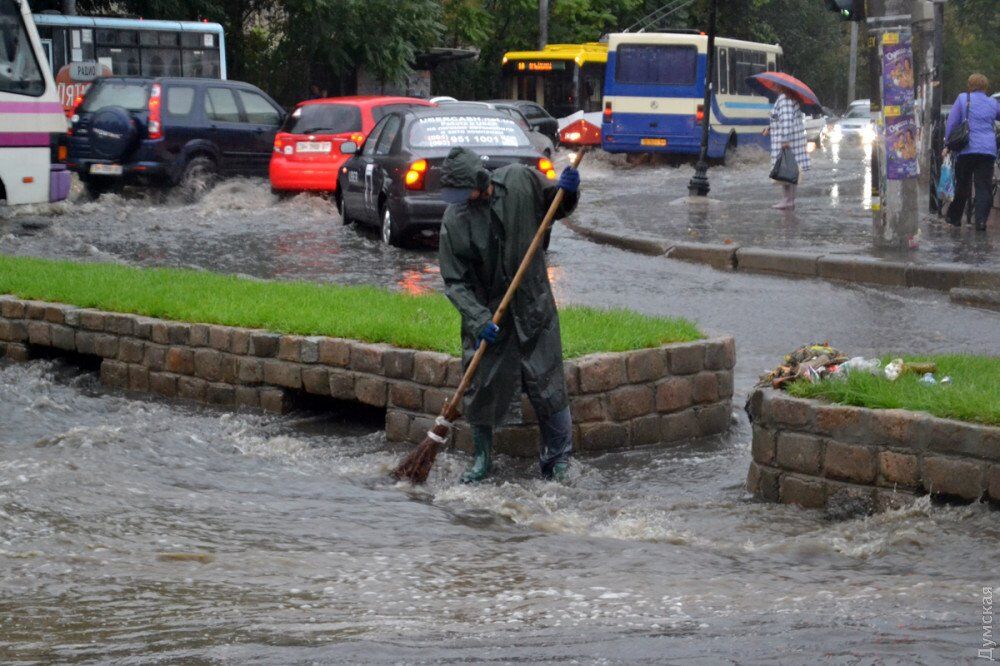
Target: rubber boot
x=560, y=472
x=482, y=442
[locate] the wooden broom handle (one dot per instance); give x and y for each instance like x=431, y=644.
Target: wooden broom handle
x=450, y=411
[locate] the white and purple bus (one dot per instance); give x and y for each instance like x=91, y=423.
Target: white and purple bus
x=30, y=113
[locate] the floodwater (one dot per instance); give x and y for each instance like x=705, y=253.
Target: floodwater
x=140, y=531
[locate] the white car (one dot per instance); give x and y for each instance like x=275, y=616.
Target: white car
x=856, y=124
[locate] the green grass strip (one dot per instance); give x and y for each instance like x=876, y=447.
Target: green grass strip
x=973, y=395
x=358, y=312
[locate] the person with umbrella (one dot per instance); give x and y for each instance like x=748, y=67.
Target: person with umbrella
x=787, y=128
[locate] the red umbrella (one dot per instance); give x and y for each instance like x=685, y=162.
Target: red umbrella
x=773, y=84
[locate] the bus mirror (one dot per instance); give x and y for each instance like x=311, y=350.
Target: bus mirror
x=349, y=148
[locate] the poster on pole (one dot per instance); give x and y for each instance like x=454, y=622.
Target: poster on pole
x=899, y=122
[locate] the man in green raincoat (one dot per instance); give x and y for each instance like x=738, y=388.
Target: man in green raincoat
x=485, y=234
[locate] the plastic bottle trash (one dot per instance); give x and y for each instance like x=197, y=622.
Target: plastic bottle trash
x=894, y=369
x=860, y=364
x=928, y=379
x=945, y=380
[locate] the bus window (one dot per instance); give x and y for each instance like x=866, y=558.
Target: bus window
x=592, y=87
x=201, y=63
x=19, y=69
x=123, y=61
x=161, y=62
x=722, y=74
x=656, y=64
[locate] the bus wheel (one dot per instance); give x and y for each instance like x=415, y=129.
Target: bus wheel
x=729, y=152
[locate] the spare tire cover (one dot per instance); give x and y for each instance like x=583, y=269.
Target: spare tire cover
x=112, y=132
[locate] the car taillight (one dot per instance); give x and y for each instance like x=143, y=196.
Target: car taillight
x=414, y=178
x=546, y=167
x=278, y=143
x=74, y=116
x=154, y=126
x=358, y=138
x=699, y=115
x=607, y=110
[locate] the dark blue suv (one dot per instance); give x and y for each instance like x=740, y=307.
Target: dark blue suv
x=170, y=131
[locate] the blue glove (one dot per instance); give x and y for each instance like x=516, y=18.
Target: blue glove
x=569, y=179
x=488, y=334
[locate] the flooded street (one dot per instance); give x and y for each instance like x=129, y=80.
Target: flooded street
x=139, y=531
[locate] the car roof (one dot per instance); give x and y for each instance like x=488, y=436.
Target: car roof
x=457, y=109
x=367, y=100
x=513, y=102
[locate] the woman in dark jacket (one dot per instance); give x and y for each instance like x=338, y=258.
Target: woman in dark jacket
x=975, y=162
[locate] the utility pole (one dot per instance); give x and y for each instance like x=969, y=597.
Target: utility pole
x=895, y=216
x=543, y=23
x=698, y=185
x=852, y=74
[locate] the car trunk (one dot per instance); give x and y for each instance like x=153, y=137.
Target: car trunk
x=497, y=158
x=315, y=132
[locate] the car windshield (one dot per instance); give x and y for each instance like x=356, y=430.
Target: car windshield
x=859, y=112
x=328, y=118
x=131, y=95
x=468, y=131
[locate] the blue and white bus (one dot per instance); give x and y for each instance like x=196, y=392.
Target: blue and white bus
x=654, y=91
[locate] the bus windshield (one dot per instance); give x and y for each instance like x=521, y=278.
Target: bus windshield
x=656, y=64
x=19, y=70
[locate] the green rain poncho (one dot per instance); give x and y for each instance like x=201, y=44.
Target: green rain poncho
x=482, y=245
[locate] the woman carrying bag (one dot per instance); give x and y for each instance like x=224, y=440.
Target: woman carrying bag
x=787, y=131
x=970, y=137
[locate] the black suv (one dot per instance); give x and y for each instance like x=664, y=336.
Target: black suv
x=170, y=131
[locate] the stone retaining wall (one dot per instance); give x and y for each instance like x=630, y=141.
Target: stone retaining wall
x=618, y=401
x=819, y=455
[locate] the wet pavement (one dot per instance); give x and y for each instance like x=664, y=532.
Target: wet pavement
x=241, y=538
x=832, y=215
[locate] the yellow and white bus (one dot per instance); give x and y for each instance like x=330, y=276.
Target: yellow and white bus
x=563, y=78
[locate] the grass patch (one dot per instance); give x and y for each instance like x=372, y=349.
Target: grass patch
x=973, y=395
x=361, y=313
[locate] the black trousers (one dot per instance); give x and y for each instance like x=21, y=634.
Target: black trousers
x=968, y=169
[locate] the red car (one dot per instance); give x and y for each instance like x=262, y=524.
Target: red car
x=307, y=147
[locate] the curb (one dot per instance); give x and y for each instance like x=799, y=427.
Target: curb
x=833, y=267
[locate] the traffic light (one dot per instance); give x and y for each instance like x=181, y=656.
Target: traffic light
x=849, y=10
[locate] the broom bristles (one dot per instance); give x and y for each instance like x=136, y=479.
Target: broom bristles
x=417, y=466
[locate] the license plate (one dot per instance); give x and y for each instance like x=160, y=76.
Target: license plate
x=106, y=169
x=654, y=142
x=313, y=147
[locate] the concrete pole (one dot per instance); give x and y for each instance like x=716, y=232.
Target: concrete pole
x=852, y=74
x=543, y=23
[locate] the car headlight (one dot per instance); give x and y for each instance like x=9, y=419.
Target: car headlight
x=868, y=133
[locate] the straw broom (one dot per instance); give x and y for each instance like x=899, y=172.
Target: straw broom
x=417, y=465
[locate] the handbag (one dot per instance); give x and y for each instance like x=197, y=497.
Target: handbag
x=786, y=169
x=959, y=137
x=946, y=183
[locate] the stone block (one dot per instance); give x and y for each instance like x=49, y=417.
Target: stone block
x=192, y=388
x=282, y=373
x=310, y=350
x=807, y=493
x=588, y=408
x=40, y=333
x=198, y=335
x=229, y=368
x=290, y=348
x=366, y=358
x=114, y=374
x=92, y=320
x=993, y=483
x=406, y=395
x=956, y=438
x=64, y=337
x=865, y=270
x=724, y=381
x=131, y=350
x=953, y=477
x=705, y=387
x=894, y=428
x=119, y=324
x=753, y=479
x=12, y=308
x=601, y=372
x=763, y=445
x=516, y=441
x=397, y=425
x=644, y=430
x=138, y=378
x=159, y=333
x=798, y=452
x=239, y=343
x=221, y=394
x=154, y=356
x=264, y=345
x=219, y=337
x=86, y=342
x=778, y=262
x=334, y=352
x=713, y=419
x=845, y=501
x=178, y=333
x=674, y=394
x=897, y=468
x=163, y=383
x=55, y=313
x=686, y=359
x=316, y=379
x=142, y=327
x=679, y=426
x=342, y=385
x=981, y=278
x=455, y=371
x=628, y=402
x=572, y=372
x=208, y=364
x=397, y=363
x=603, y=436
x=430, y=368
x=790, y=412
x=15, y=351
x=770, y=484
x=106, y=345
x=371, y=390
x=845, y=424
x=35, y=310
x=419, y=426
x=249, y=370
x=13, y=330
x=248, y=396
x=850, y=463
x=720, y=354
x=461, y=438
x=721, y=256
x=645, y=365
x=892, y=500
x=275, y=400
x=179, y=360
x=435, y=400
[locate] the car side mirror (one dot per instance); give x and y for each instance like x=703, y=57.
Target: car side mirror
x=349, y=148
